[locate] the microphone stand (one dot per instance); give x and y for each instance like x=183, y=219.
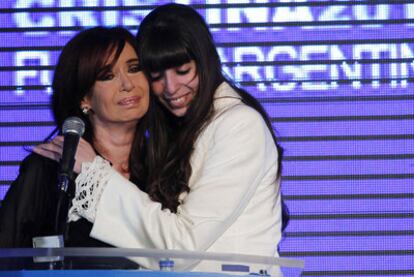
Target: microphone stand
x=65, y=194
x=65, y=181
x=73, y=128
x=63, y=204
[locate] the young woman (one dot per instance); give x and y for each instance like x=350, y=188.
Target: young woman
x=98, y=77
x=213, y=161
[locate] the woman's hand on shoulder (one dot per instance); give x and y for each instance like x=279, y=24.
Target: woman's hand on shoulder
x=53, y=150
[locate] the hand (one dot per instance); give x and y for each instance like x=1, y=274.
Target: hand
x=53, y=150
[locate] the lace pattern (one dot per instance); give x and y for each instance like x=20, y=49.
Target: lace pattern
x=90, y=185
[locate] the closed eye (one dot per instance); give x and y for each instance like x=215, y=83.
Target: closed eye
x=134, y=68
x=182, y=72
x=105, y=74
x=155, y=76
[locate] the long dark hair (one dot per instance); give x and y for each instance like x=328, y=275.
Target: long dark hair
x=170, y=36
x=78, y=67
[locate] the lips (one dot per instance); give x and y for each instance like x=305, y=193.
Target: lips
x=129, y=101
x=178, y=102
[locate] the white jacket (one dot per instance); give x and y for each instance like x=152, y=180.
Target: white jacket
x=233, y=206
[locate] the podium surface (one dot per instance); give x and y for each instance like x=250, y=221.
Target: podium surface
x=232, y=264
x=106, y=273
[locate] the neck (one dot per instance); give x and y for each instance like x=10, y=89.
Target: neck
x=114, y=144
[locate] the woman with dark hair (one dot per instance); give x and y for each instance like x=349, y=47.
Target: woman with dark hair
x=213, y=180
x=98, y=78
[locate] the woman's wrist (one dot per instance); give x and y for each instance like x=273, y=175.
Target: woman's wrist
x=90, y=184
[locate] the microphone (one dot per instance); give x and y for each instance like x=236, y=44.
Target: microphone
x=73, y=128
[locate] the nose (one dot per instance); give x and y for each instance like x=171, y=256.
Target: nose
x=171, y=83
x=125, y=83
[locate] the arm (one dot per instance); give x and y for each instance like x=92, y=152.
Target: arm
x=53, y=150
x=28, y=207
x=223, y=185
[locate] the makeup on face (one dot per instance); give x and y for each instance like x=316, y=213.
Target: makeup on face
x=176, y=87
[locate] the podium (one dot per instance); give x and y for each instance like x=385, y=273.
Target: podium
x=107, y=273
x=113, y=262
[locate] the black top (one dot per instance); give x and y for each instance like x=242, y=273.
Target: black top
x=29, y=210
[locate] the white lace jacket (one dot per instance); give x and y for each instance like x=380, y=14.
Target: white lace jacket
x=233, y=206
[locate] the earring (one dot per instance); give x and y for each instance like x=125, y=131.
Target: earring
x=85, y=110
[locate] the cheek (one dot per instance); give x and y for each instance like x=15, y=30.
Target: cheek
x=146, y=102
x=101, y=100
x=100, y=106
x=157, y=88
x=195, y=84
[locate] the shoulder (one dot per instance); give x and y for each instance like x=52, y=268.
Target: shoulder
x=36, y=159
x=239, y=117
x=228, y=107
x=35, y=173
x=242, y=111
x=37, y=164
x=236, y=125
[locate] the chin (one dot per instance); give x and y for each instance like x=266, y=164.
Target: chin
x=180, y=112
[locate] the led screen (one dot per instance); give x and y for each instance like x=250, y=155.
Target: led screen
x=336, y=77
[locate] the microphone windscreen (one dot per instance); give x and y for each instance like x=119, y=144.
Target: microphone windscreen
x=73, y=125
x=73, y=128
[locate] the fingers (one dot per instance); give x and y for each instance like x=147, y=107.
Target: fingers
x=84, y=153
x=51, y=150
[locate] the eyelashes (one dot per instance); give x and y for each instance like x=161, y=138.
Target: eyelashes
x=156, y=76
x=106, y=74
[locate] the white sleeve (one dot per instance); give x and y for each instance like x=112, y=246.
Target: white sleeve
x=90, y=185
x=230, y=174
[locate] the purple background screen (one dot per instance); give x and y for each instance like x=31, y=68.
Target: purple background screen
x=336, y=78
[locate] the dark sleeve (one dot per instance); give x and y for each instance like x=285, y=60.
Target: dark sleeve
x=29, y=207
x=29, y=210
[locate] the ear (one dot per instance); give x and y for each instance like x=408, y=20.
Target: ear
x=85, y=103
